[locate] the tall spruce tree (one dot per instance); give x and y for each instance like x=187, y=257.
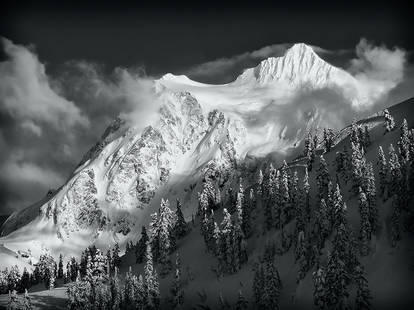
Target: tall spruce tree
x=181, y=227
x=365, y=226
x=60, y=268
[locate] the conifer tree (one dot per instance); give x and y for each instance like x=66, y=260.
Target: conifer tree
x=116, y=291
x=404, y=142
x=177, y=290
x=272, y=286
x=336, y=278
x=25, y=280
x=116, y=260
x=338, y=208
x=306, y=191
x=371, y=197
x=382, y=171
x=389, y=121
x=181, y=227
x=365, y=227
x=322, y=223
x=151, y=282
x=319, y=288
x=164, y=236
x=259, y=183
x=363, y=296
x=394, y=172
x=60, y=269
x=322, y=178
x=141, y=247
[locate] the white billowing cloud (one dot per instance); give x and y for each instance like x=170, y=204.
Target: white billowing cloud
x=128, y=90
x=26, y=95
x=377, y=70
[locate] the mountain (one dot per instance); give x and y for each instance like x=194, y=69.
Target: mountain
x=199, y=127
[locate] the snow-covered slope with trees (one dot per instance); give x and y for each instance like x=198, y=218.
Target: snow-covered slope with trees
x=291, y=223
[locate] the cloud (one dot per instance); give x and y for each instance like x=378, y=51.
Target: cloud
x=25, y=92
x=226, y=69
x=377, y=70
x=47, y=123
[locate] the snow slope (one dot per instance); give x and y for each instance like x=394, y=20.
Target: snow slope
x=121, y=180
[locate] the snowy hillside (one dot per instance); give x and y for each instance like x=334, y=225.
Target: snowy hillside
x=121, y=180
x=221, y=148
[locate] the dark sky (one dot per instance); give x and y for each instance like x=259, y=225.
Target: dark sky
x=80, y=43
x=164, y=37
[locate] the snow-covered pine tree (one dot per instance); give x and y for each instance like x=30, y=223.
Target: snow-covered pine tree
x=177, y=290
x=328, y=137
x=141, y=246
x=272, y=200
x=371, y=197
x=294, y=194
x=319, y=288
x=79, y=294
x=116, y=291
x=323, y=224
x=336, y=291
x=306, y=192
x=272, y=286
x=339, y=209
x=284, y=196
x=389, y=121
x=47, y=269
x=395, y=174
x=164, y=225
x=151, y=282
x=259, y=183
x=225, y=243
x=365, y=227
x=60, y=268
x=322, y=178
x=354, y=137
x=181, y=227
x=357, y=165
x=363, y=295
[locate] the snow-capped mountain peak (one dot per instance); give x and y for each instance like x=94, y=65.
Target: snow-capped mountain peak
x=299, y=65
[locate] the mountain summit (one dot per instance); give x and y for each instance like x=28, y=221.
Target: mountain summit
x=299, y=65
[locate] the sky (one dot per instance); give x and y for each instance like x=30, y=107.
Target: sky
x=67, y=70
